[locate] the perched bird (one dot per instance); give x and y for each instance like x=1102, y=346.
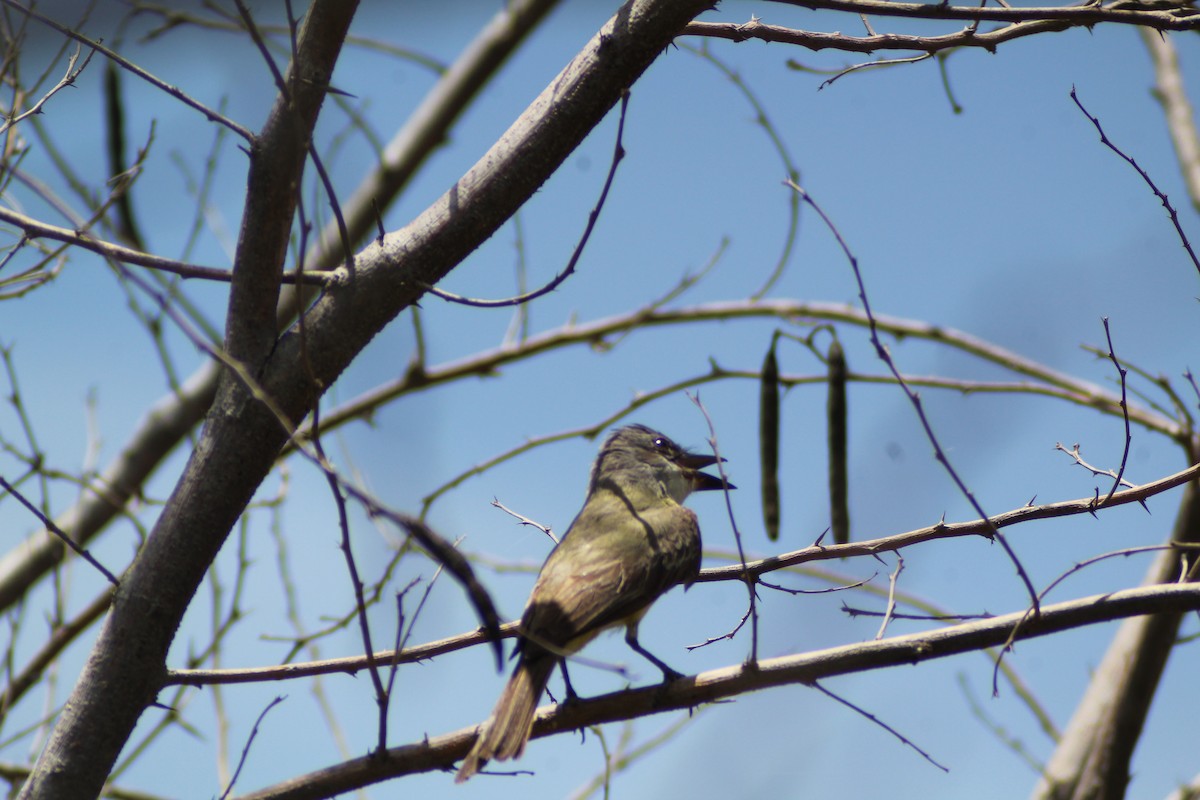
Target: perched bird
x=629, y=544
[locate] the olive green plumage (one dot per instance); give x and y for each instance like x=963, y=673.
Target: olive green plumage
x=629, y=544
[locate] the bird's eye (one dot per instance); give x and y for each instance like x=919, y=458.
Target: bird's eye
x=660, y=442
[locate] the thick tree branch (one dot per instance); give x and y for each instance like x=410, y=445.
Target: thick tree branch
x=242, y=438
x=277, y=157
x=174, y=416
x=124, y=670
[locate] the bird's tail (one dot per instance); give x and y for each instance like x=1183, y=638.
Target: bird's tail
x=504, y=735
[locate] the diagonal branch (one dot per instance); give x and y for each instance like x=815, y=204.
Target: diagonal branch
x=741, y=570
x=242, y=437
x=440, y=752
x=131, y=67
x=170, y=419
x=124, y=669
x=1092, y=759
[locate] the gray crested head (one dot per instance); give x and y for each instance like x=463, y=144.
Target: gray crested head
x=642, y=457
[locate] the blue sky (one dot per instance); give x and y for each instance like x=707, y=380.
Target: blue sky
x=1009, y=221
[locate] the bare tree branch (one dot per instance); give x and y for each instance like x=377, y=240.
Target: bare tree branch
x=169, y=420
x=1092, y=759
x=34, y=229
x=1179, y=15
x=589, y=333
x=242, y=438
x=1181, y=120
x=131, y=67
x=158, y=588
x=734, y=572
x=440, y=752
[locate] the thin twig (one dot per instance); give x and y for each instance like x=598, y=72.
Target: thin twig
x=1125, y=413
x=67, y=80
x=1171, y=212
x=398, y=643
x=890, y=608
x=883, y=62
x=131, y=67
x=829, y=590
x=381, y=694
x=1125, y=552
x=525, y=520
x=1191, y=379
x=915, y=399
x=246, y=748
x=59, y=532
x=618, y=154
x=737, y=534
x=34, y=229
x=862, y=711
x=1074, y=453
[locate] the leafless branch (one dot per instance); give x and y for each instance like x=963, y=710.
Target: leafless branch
x=1174, y=215
x=733, y=572
x=569, y=270
x=440, y=752
x=33, y=229
x=1172, y=94
x=73, y=72
x=133, y=68
x=914, y=398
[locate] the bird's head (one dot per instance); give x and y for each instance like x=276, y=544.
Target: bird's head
x=636, y=455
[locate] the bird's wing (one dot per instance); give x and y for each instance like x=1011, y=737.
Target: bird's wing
x=592, y=583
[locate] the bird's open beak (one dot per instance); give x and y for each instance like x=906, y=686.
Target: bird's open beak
x=702, y=481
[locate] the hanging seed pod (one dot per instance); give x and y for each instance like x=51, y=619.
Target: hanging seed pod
x=768, y=442
x=839, y=507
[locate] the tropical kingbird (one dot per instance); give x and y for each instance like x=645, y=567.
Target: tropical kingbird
x=629, y=544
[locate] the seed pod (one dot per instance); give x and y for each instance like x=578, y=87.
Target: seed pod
x=768, y=441
x=839, y=508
